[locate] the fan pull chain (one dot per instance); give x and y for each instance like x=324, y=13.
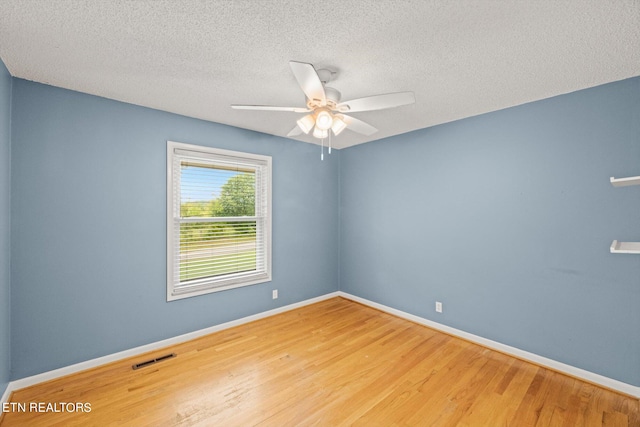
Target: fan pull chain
x=322, y=149
x=329, y=141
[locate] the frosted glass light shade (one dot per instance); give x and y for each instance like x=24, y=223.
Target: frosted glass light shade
x=338, y=126
x=324, y=120
x=306, y=123
x=320, y=133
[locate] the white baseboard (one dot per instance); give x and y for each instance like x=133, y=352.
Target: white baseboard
x=67, y=370
x=572, y=371
x=6, y=394
x=591, y=377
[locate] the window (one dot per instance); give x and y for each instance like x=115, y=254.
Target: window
x=218, y=220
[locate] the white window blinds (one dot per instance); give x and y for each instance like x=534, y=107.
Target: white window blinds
x=219, y=220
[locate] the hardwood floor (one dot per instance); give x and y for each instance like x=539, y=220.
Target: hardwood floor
x=328, y=364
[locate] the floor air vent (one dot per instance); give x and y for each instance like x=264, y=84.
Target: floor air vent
x=152, y=361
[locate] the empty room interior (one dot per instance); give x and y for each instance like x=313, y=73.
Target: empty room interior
x=327, y=213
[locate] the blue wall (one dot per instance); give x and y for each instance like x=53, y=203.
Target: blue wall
x=5, y=227
x=507, y=219
x=89, y=227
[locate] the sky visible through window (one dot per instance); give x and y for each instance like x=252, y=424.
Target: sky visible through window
x=202, y=183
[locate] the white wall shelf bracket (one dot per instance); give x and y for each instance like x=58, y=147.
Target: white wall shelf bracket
x=625, y=182
x=625, y=247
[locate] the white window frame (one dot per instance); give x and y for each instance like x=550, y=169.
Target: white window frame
x=262, y=165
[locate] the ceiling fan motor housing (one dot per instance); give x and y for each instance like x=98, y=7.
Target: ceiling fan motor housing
x=332, y=97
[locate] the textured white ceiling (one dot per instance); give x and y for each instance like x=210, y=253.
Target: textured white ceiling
x=461, y=58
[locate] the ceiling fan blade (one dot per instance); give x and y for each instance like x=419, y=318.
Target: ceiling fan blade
x=377, y=102
x=270, y=108
x=359, y=126
x=309, y=81
x=295, y=131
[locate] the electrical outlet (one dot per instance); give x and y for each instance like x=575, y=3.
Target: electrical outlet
x=438, y=307
x=274, y=294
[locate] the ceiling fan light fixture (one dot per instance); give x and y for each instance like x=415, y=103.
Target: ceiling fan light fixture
x=338, y=125
x=320, y=133
x=324, y=120
x=306, y=123
x=324, y=109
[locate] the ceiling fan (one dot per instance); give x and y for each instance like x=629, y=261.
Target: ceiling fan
x=326, y=114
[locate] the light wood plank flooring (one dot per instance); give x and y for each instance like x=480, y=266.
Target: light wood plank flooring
x=332, y=363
